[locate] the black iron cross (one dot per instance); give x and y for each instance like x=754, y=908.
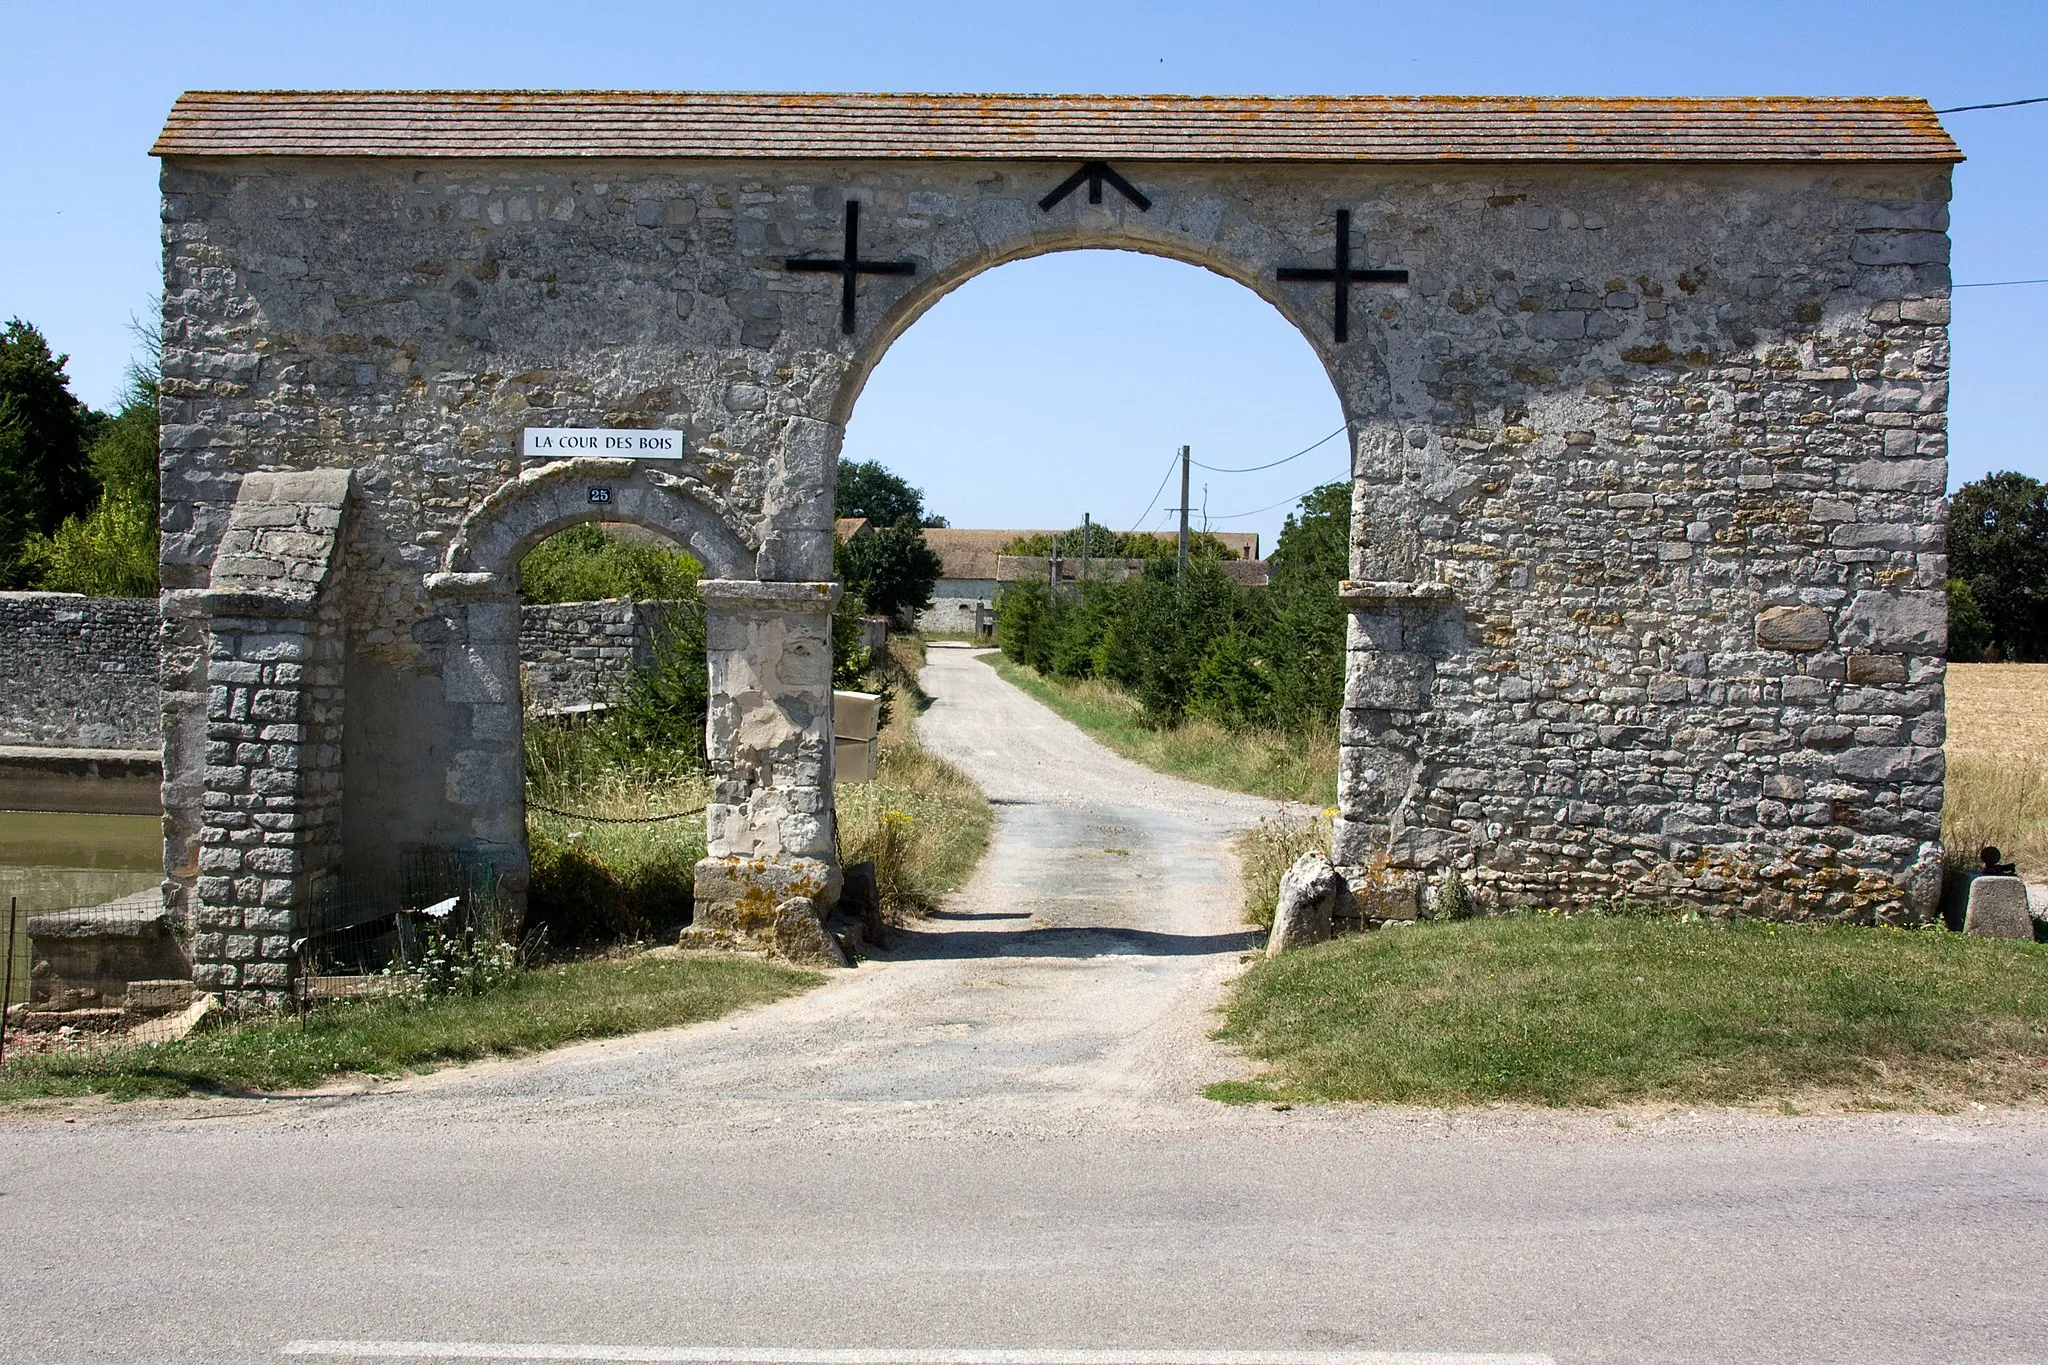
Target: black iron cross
x=850, y=266
x=1343, y=275
x=1094, y=173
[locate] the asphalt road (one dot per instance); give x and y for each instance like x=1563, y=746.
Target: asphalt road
x=994, y=1140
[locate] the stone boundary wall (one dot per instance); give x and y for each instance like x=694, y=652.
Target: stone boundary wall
x=81, y=672
x=576, y=654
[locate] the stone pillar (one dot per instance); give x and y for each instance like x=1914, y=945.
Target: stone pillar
x=270, y=826
x=771, y=870
x=271, y=829
x=1388, y=677
x=485, y=787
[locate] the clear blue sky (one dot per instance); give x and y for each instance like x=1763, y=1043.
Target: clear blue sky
x=1060, y=385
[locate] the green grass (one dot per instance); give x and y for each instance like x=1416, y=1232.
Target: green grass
x=1603, y=1011
x=534, y=1011
x=1290, y=765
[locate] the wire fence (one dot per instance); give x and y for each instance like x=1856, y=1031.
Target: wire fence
x=120, y=974
x=439, y=912
x=94, y=975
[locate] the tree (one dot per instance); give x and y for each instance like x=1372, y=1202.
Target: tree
x=1998, y=548
x=112, y=550
x=1203, y=646
x=890, y=569
x=868, y=490
x=1311, y=557
x=1103, y=543
x=44, y=432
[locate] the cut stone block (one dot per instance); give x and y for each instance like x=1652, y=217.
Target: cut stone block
x=1799, y=629
x=1998, y=909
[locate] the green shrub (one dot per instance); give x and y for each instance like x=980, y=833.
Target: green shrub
x=109, y=552
x=654, y=722
x=1452, y=900
x=1102, y=543
x=589, y=563
x=1198, y=644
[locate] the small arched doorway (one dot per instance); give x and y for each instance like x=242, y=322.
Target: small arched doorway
x=485, y=790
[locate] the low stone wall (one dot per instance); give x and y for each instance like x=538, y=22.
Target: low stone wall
x=81, y=672
x=106, y=966
x=89, y=781
x=577, y=654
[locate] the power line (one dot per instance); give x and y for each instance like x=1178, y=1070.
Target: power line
x=1235, y=516
x=1996, y=284
x=2002, y=104
x=1253, y=468
x=1156, y=492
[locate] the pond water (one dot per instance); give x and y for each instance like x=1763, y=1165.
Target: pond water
x=55, y=861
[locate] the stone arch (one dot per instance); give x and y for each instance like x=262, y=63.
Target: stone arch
x=1343, y=366
x=495, y=537
x=477, y=591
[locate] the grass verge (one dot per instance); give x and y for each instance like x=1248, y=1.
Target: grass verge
x=1295, y=765
x=533, y=1011
x=922, y=822
x=1602, y=1011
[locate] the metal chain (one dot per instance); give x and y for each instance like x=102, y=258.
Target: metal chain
x=618, y=819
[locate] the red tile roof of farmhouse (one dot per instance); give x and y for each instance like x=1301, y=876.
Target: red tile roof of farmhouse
x=973, y=554
x=1346, y=128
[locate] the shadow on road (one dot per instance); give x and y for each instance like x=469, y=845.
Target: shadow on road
x=930, y=939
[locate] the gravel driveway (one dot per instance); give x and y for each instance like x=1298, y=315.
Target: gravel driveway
x=1076, y=975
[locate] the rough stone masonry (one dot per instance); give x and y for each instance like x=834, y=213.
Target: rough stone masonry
x=1647, y=423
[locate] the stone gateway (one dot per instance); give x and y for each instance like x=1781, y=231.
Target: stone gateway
x=1646, y=402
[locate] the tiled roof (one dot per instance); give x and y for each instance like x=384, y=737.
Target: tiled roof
x=1250, y=573
x=1363, y=128
x=973, y=554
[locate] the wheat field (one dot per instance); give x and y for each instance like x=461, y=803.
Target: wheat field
x=1998, y=764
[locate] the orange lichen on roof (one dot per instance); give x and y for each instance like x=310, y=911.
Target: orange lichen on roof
x=1360, y=128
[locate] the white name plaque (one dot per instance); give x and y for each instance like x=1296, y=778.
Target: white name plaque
x=566, y=443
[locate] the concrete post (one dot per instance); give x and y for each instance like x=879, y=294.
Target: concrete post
x=771, y=870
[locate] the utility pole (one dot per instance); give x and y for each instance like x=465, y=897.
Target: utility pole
x=1183, y=513
x=1087, y=525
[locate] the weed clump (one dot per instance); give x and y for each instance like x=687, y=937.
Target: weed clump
x=1267, y=850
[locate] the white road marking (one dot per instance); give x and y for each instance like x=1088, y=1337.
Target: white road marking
x=738, y=1355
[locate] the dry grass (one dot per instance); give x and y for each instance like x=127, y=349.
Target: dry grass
x=1998, y=763
x=621, y=795
x=1267, y=850
x=1293, y=765
x=922, y=822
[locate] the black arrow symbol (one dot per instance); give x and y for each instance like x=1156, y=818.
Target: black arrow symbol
x=1095, y=172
